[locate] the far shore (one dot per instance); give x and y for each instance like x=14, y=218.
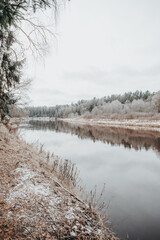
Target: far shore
x=134, y=124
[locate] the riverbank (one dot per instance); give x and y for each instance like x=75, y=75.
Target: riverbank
x=145, y=124
x=34, y=203
x=133, y=124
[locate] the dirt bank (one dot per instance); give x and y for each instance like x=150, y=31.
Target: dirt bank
x=34, y=204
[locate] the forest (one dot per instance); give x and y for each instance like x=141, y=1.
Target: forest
x=136, y=103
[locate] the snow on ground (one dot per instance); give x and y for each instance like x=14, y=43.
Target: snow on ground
x=33, y=205
x=135, y=124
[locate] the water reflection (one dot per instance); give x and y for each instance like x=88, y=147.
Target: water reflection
x=109, y=155
x=114, y=136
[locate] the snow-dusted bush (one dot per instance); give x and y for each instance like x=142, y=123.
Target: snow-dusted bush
x=156, y=101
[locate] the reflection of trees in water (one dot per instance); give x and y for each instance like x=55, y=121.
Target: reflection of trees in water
x=114, y=136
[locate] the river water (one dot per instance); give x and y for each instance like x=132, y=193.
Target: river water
x=126, y=161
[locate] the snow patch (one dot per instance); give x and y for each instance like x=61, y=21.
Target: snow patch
x=25, y=173
x=26, y=187
x=70, y=214
x=73, y=234
x=54, y=200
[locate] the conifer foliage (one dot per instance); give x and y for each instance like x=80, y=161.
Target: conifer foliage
x=10, y=74
x=12, y=12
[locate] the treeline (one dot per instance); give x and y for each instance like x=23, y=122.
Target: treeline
x=127, y=103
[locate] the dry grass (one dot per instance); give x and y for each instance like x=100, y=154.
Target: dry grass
x=66, y=171
x=33, y=202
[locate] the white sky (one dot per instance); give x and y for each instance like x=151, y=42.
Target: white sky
x=103, y=47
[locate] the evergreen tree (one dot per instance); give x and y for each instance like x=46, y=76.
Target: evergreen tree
x=10, y=74
x=12, y=12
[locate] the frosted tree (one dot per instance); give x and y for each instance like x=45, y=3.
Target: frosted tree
x=156, y=101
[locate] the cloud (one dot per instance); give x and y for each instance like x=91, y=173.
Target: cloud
x=111, y=49
x=130, y=71
x=48, y=91
x=92, y=74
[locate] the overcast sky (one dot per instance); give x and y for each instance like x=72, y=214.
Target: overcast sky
x=103, y=47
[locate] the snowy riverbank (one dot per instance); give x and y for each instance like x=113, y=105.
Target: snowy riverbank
x=134, y=124
x=34, y=203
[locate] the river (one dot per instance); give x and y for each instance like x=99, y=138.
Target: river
x=126, y=161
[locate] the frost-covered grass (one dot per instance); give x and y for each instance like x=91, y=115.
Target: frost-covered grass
x=63, y=169
x=35, y=200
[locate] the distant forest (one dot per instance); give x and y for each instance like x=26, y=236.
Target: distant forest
x=137, y=102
